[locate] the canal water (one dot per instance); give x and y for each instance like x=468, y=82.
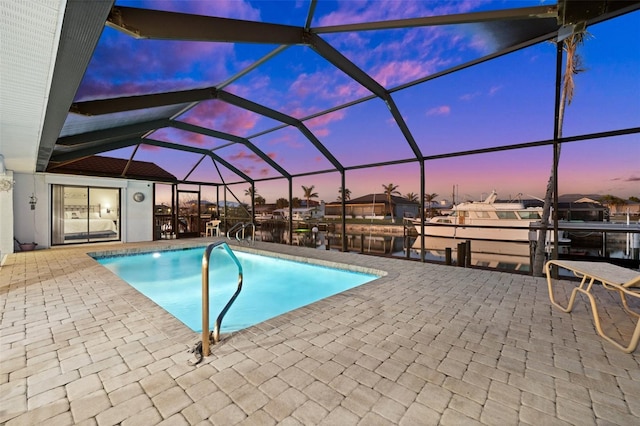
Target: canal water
x=506, y=256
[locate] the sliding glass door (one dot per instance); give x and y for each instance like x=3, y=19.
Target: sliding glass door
x=82, y=214
x=188, y=221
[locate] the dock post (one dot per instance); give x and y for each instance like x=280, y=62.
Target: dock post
x=467, y=254
x=447, y=256
x=462, y=251
x=406, y=244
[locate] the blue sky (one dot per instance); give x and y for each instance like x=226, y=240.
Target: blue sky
x=504, y=101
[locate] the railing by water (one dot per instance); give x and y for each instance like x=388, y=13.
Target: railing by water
x=215, y=334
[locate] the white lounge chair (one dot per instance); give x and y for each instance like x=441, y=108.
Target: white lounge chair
x=616, y=278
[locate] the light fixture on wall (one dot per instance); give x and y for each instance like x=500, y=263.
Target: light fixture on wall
x=32, y=201
x=108, y=208
x=6, y=185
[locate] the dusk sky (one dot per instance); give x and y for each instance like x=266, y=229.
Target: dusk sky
x=508, y=100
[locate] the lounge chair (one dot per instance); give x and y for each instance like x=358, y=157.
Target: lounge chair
x=616, y=278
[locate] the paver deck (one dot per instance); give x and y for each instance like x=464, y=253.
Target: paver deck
x=425, y=344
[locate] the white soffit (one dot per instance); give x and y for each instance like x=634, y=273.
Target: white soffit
x=29, y=36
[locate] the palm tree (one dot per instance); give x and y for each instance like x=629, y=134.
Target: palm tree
x=412, y=197
x=573, y=66
x=347, y=194
x=250, y=192
x=390, y=190
x=253, y=194
x=428, y=199
x=308, y=193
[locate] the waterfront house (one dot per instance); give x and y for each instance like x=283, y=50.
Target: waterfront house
x=374, y=206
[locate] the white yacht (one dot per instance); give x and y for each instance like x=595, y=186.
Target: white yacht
x=486, y=220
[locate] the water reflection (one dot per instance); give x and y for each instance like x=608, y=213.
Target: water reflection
x=506, y=256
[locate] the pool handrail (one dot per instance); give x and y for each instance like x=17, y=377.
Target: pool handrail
x=252, y=238
x=234, y=228
x=239, y=228
x=206, y=338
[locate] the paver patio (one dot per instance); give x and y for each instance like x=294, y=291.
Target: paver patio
x=424, y=344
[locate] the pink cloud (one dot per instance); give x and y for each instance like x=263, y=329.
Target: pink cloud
x=381, y=10
x=495, y=89
x=440, y=110
x=222, y=116
x=221, y=8
x=405, y=54
x=146, y=147
x=325, y=119
x=318, y=124
x=289, y=139
x=326, y=85
x=469, y=96
x=242, y=155
x=362, y=11
x=116, y=67
x=396, y=72
x=321, y=133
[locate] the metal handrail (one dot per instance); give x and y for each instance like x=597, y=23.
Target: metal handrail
x=205, y=296
x=234, y=228
x=241, y=230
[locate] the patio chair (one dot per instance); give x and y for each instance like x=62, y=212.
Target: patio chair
x=615, y=278
x=212, y=227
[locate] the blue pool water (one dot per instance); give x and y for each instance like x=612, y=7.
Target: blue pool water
x=271, y=286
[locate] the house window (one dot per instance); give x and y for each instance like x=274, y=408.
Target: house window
x=82, y=214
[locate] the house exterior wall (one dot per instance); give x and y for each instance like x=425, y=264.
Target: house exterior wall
x=136, y=218
x=139, y=215
x=6, y=218
x=407, y=210
x=30, y=225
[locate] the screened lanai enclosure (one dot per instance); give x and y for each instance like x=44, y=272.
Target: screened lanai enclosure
x=239, y=99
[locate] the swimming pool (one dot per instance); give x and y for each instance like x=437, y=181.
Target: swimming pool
x=272, y=286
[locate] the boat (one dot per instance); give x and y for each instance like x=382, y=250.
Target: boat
x=489, y=220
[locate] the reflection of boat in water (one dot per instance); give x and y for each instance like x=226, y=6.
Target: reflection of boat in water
x=487, y=220
x=501, y=255
x=510, y=248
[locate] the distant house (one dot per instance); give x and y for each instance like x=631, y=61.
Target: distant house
x=576, y=207
x=373, y=206
x=590, y=211
x=631, y=207
x=301, y=213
